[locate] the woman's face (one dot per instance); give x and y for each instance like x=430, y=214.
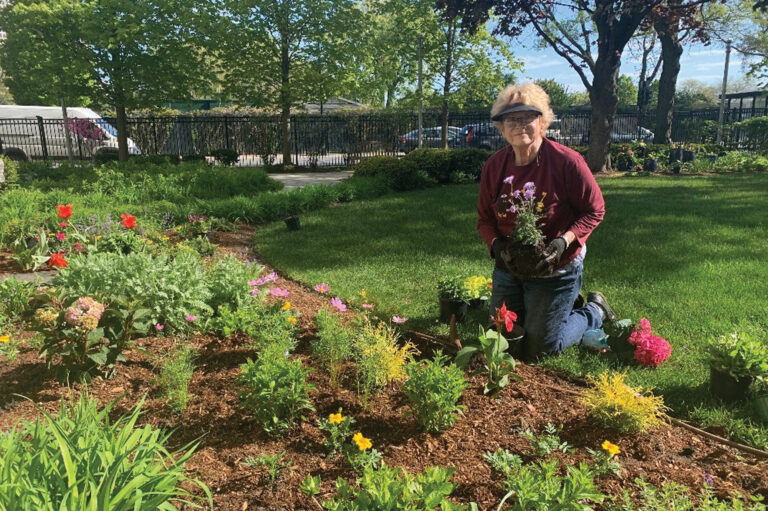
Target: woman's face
x=521, y=129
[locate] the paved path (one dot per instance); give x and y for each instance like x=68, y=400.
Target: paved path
x=43, y=277
x=298, y=180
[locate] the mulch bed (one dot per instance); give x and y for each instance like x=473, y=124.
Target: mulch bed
x=228, y=435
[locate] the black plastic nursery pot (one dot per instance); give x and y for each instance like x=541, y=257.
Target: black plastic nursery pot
x=650, y=165
x=760, y=404
x=292, y=222
x=675, y=155
x=450, y=307
x=689, y=156
x=726, y=387
x=478, y=303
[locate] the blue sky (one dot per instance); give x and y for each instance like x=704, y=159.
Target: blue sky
x=698, y=62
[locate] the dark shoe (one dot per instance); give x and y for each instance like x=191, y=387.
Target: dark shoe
x=579, y=302
x=598, y=299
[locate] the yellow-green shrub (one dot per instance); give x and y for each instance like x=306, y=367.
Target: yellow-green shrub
x=617, y=405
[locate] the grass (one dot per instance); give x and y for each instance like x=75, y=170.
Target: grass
x=687, y=253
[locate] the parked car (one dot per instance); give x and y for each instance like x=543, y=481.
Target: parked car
x=21, y=137
x=430, y=137
x=483, y=135
x=620, y=137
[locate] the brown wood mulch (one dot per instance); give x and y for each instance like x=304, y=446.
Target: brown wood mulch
x=228, y=436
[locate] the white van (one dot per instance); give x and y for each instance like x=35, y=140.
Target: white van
x=21, y=138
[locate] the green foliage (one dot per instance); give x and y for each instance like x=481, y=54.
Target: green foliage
x=225, y=156
x=379, y=359
x=122, y=242
x=11, y=173
x=675, y=497
x=339, y=430
x=201, y=246
x=398, y=174
x=539, y=486
x=433, y=389
x=310, y=486
x=275, y=391
x=453, y=289
x=274, y=464
x=15, y=297
x=395, y=489
x=333, y=344
x=617, y=405
x=503, y=461
x=499, y=364
x=80, y=459
x=738, y=161
x=268, y=326
x=175, y=374
x=547, y=442
x=227, y=278
x=740, y=354
x=444, y=165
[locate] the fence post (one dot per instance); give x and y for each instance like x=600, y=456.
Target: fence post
x=154, y=132
x=43, y=142
x=226, y=132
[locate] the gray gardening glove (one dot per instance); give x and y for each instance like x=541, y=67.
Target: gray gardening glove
x=551, y=256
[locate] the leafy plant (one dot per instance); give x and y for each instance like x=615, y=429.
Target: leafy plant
x=499, y=364
x=503, y=461
x=310, y=486
x=201, y=246
x=547, y=442
x=740, y=354
x=333, y=344
x=379, y=359
x=270, y=328
x=175, y=374
x=453, y=289
x=274, y=464
x=395, y=489
x=80, y=459
x=528, y=212
x=9, y=345
x=619, y=406
x=275, y=391
x=538, y=486
x=360, y=453
x=15, y=297
x=478, y=287
x=227, y=279
x=338, y=428
x=675, y=497
x=225, y=156
x=433, y=389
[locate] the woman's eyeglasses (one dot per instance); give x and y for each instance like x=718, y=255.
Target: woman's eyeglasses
x=519, y=122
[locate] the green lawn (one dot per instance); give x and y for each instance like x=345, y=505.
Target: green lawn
x=688, y=253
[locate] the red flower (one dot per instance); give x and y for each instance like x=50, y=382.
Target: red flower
x=57, y=260
x=505, y=316
x=128, y=221
x=62, y=224
x=65, y=211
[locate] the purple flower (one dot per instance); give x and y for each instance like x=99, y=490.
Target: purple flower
x=191, y=317
x=322, y=288
x=271, y=277
x=516, y=194
x=399, y=320
x=708, y=479
x=528, y=194
x=529, y=186
x=336, y=302
x=512, y=209
x=279, y=292
x=508, y=180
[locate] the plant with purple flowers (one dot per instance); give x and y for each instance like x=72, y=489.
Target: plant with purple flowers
x=527, y=208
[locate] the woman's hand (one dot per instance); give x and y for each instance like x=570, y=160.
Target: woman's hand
x=551, y=255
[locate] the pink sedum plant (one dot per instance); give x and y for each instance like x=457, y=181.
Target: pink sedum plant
x=650, y=350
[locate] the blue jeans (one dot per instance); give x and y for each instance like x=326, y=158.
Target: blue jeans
x=544, y=307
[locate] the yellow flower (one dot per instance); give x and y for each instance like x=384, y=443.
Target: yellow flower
x=335, y=418
x=291, y=320
x=148, y=242
x=612, y=449
x=286, y=306
x=5, y=338
x=363, y=294
x=165, y=238
x=97, y=237
x=362, y=442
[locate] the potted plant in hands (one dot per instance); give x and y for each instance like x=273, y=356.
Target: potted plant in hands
x=454, y=298
x=735, y=360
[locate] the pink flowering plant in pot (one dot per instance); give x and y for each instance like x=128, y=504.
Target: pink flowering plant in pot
x=522, y=250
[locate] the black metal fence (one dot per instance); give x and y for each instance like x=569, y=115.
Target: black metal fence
x=335, y=139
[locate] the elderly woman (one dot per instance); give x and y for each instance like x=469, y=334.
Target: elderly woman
x=573, y=206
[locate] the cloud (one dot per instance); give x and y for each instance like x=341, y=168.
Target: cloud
x=533, y=62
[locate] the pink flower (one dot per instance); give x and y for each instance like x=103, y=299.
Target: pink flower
x=60, y=236
x=159, y=327
x=336, y=302
x=399, y=320
x=62, y=224
x=322, y=288
x=78, y=246
x=653, y=351
x=255, y=291
x=191, y=317
x=367, y=306
x=264, y=280
x=279, y=292
x=253, y=283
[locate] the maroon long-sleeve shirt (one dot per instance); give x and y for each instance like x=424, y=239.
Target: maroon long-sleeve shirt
x=573, y=202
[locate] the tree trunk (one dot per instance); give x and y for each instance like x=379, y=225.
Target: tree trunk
x=448, y=78
x=285, y=101
x=67, y=131
x=671, y=50
x=122, y=133
x=604, y=99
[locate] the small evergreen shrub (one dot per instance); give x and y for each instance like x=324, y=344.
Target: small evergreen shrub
x=400, y=174
x=436, y=163
x=225, y=156
x=616, y=405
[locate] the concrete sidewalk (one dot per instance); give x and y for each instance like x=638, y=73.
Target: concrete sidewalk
x=297, y=180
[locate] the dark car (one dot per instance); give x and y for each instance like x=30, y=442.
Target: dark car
x=619, y=136
x=483, y=135
x=431, y=137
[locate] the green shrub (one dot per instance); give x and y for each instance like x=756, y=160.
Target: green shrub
x=170, y=289
x=156, y=159
x=80, y=459
x=333, y=344
x=200, y=246
x=193, y=158
x=436, y=163
x=102, y=157
x=737, y=161
x=469, y=161
x=400, y=174
x=175, y=374
x=394, y=488
x=675, y=497
x=434, y=389
x=275, y=391
x=11, y=173
x=225, y=156
x=741, y=354
x=268, y=326
x=15, y=298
